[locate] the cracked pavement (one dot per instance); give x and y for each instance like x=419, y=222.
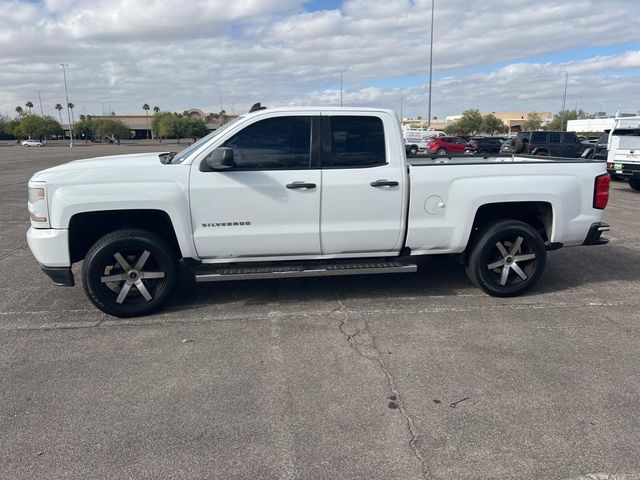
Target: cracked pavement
x=346, y=377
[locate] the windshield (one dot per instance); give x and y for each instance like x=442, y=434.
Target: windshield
x=186, y=153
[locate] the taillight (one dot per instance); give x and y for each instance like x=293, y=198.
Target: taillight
x=601, y=191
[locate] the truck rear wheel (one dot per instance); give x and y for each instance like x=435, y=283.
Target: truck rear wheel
x=507, y=258
x=634, y=183
x=129, y=272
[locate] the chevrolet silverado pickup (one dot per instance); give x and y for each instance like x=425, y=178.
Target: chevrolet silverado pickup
x=299, y=192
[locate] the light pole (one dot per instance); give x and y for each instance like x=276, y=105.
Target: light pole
x=40, y=100
x=564, y=100
x=401, y=102
x=66, y=94
x=341, y=86
x=430, y=64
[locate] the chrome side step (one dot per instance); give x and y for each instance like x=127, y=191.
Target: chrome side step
x=303, y=270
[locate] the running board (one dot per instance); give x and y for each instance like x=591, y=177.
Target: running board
x=303, y=270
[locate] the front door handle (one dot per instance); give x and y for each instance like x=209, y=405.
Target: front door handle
x=384, y=183
x=301, y=185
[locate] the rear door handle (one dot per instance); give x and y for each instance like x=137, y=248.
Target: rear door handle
x=301, y=185
x=384, y=183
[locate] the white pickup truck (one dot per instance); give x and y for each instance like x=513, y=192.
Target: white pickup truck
x=298, y=192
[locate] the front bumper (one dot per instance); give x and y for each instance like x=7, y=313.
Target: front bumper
x=594, y=237
x=50, y=246
x=61, y=276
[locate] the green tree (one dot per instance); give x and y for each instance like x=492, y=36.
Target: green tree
x=29, y=105
x=19, y=110
x=51, y=126
x=492, y=124
x=146, y=107
x=156, y=109
x=112, y=128
x=533, y=121
x=85, y=128
x=470, y=123
x=12, y=128
x=71, y=107
x=196, y=128
x=58, y=107
x=452, y=128
x=559, y=121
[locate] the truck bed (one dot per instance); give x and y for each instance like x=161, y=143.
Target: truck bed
x=462, y=159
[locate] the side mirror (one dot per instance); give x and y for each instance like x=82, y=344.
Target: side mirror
x=220, y=159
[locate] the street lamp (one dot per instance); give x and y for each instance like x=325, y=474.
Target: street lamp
x=430, y=64
x=564, y=100
x=66, y=94
x=341, y=71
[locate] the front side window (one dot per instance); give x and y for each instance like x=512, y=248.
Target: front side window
x=356, y=141
x=279, y=143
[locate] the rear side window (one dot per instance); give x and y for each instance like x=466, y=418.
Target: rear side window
x=356, y=141
x=538, y=137
x=555, y=137
x=279, y=143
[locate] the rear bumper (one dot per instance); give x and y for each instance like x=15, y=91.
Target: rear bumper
x=594, y=237
x=61, y=276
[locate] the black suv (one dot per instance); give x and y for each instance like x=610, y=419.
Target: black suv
x=554, y=144
x=482, y=145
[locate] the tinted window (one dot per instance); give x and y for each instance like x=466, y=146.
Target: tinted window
x=538, y=137
x=554, y=137
x=357, y=141
x=570, y=138
x=275, y=143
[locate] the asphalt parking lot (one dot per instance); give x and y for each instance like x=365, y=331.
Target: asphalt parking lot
x=372, y=377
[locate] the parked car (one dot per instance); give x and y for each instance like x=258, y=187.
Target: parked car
x=623, y=150
x=445, y=145
x=31, y=143
x=484, y=145
x=416, y=139
x=244, y=203
x=553, y=144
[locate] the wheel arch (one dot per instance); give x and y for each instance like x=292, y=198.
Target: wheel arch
x=538, y=214
x=86, y=228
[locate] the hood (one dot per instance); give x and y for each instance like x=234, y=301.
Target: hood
x=113, y=162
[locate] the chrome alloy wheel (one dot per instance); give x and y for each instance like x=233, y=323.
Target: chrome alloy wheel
x=121, y=275
x=513, y=256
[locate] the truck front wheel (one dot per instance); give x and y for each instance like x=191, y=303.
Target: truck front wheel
x=634, y=183
x=507, y=258
x=129, y=272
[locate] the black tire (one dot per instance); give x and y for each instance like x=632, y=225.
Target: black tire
x=541, y=153
x=131, y=244
x=516, y=145
x=413, y=150
x=634, y=183
x=442, y=152
x=485, y=252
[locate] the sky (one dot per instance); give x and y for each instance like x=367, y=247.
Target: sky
x=493, y=55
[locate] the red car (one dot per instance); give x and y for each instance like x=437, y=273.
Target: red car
x=445, y=145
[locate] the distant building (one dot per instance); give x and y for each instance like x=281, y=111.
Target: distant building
x=138, y=123
x=514, y=121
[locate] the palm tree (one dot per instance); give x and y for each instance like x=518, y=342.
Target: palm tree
x=71, y=105
x=29, y=105
x=156, y=109
x=59, y=108
x=146, y=107
x=19, y=110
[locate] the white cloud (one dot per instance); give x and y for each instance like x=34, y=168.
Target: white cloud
x=177, y=54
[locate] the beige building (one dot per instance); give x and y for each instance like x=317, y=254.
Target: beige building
x=514, y=121
x=138, y=123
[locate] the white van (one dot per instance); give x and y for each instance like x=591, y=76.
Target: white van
x=415, y=139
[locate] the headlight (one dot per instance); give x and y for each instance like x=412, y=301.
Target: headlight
x=38, y=207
